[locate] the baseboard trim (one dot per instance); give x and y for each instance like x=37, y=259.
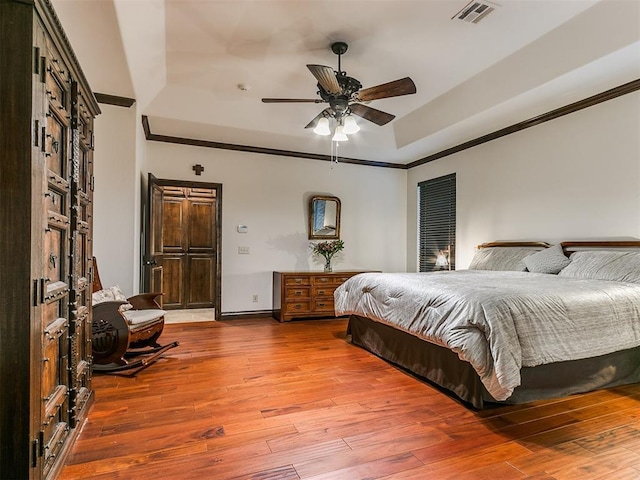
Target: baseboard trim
x=247, y=314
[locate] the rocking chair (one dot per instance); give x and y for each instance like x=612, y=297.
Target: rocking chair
x=125, y=331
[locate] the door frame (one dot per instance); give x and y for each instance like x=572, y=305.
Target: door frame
x=146, y=230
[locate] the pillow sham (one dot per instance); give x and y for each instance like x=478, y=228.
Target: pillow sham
x=604, y=265
x=501, y=259
x=550, y=260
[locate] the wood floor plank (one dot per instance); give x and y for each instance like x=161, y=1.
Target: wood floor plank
x=603, y=465
x=256, y=399
x=390, y=465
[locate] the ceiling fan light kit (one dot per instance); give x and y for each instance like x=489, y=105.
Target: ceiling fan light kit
x=345, y=95
x=322, y=128
x=350, y=125
x=339, y=135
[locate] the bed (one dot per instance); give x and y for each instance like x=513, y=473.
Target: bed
x=526, y=321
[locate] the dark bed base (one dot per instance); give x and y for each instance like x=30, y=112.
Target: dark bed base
x=443, y=367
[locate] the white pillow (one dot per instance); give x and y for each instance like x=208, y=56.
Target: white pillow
x=550, y=260
x=604, y=265
x=117, y=294
x=101, y=296
x=501, y=258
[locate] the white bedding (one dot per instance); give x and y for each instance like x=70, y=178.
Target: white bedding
x=501, y=321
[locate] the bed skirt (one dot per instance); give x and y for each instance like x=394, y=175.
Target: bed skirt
x=441, y=366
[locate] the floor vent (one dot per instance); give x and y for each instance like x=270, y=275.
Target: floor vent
x=475, y=11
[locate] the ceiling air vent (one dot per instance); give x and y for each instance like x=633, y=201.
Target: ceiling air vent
x=475, y=11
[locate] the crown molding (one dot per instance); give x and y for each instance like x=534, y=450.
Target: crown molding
x=607, y=95
x=107, y=99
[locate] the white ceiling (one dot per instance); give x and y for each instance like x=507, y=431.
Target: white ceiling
x=182, y=60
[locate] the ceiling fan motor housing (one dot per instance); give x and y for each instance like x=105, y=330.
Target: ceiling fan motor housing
x=340, y=103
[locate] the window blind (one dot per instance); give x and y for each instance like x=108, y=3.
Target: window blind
x=437, y=223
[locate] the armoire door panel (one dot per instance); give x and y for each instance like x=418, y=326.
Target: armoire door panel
x=56, y=201
x=202, y=215
x=201, y=281
x=83, y=169
x=55, y=252
x=55, y=436
x=172, y=280
x=53, y=344
x=55, y=143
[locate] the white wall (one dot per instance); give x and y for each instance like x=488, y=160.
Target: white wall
x=270, y=195
x=576, y=177
x=116, y=201
x=573, y=178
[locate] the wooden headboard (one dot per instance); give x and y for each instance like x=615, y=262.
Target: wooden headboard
x=570, y=247
x=540, y=245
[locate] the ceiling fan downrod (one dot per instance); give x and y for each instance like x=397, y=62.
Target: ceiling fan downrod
x=339, y=48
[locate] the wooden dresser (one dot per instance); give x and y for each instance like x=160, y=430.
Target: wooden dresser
x=306, y=294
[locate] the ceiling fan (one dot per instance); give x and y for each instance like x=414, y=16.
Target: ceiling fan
x=345, y=95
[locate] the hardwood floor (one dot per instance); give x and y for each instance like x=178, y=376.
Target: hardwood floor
x=258, y=399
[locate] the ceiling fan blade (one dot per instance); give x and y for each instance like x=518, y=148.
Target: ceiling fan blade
x=404, y=86
x=326, y=78
x=292, y=100
x=325, y=113
x=376, y=116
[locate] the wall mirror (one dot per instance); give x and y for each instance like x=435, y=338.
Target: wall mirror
x=324, y=218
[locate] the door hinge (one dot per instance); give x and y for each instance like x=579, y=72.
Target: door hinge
x=36, y=60
x=36, y=291
x=37, y=449
x=39, y=290
x=34, y=453
x=92, y=183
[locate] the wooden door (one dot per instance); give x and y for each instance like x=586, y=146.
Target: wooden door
x=185, y=230
x=201, y=248
x=174, y=246
x=152, y=261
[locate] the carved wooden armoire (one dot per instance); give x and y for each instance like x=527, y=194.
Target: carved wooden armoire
x=46, y=165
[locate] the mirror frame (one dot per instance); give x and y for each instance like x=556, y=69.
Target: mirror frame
x=312, y=235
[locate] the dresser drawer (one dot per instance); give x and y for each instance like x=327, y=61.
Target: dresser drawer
x=303, y=306
x=290, y=280
x=340, y=279
x=294, y=292
x=322, y=291
x=324, y=280
x=323, y=305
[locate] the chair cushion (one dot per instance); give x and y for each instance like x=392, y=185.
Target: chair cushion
x=141, y=317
